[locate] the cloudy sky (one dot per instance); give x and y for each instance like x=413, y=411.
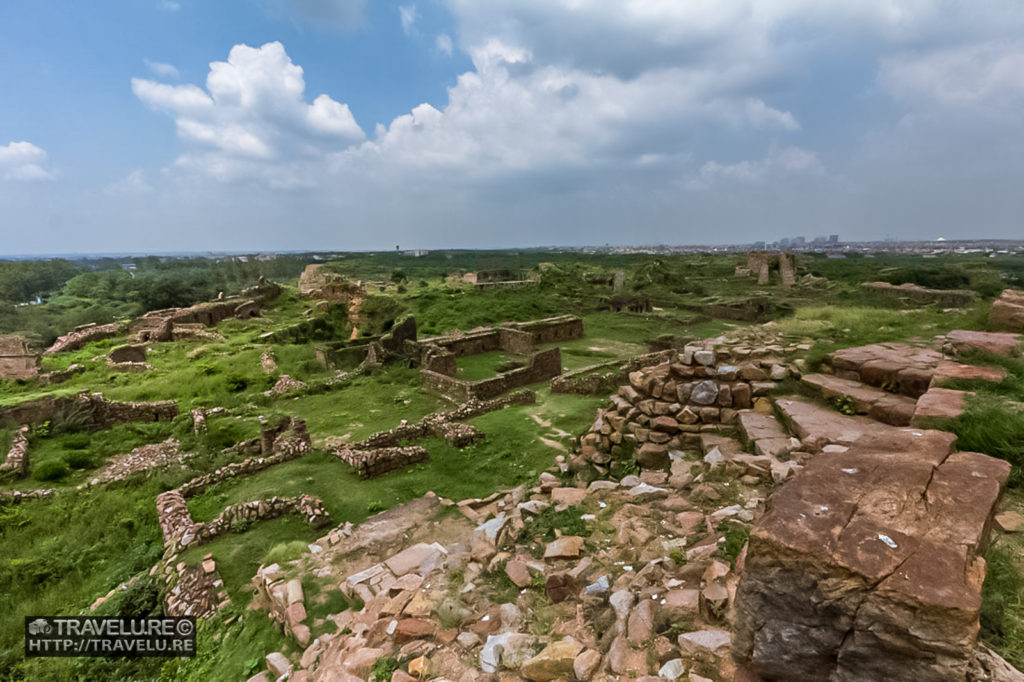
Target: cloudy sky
x=169, y=125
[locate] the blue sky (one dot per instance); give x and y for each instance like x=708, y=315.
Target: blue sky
x=157, y=125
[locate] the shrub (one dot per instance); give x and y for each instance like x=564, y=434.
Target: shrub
x=50, y=470
x=384, y=667
x=78, y=459
x=236, y=383
x=285, y=551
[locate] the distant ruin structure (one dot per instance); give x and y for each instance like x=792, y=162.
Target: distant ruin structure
x=486, y=279
x=761, y=264
x=16, y=360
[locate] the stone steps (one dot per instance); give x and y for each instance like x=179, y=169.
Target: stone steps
x=888, y=408
x=764, y=433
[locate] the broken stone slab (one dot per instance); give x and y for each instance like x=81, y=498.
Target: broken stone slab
x=949, y=371
x=507, y=650
x=1010, y=521
x=867, y=562
x=997, y=343
x=704, y=643
x=566, y=547
x=888, y=408
x=412, y=558
x=939, y=404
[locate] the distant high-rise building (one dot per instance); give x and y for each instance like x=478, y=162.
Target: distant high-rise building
x=757, y=246
x=798, y=241
x=784, y=242
x=833, y=239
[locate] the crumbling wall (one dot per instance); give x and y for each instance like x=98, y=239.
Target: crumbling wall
x=912, y=294
x=83, y=335
x=542, y=366
x=17, y=456
x=16, y=360
x=96, y=411
x=371, y=463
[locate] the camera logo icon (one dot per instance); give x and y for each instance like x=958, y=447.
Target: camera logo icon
x=40, y=626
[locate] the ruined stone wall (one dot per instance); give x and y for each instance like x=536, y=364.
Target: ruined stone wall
x=516, y=341
x=247, y=467
x=180, y=531
x=16, y=360
x=604, y=377
x=554, y=329
x=18, y=496
x=100, y=412
x=17, y=456
x=912, y=294
x=371, y=463
x=83, y=335
x=543, y=366
x=664, y=404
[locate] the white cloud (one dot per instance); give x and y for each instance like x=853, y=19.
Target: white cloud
x=252, y=121
x=444, y=44
x=169, y=5
x=162, y=70
x=791, y=160
x=23, y=161
x=984, y=74
x=407, y=15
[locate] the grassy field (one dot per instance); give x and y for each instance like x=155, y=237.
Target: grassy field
x=58, y=556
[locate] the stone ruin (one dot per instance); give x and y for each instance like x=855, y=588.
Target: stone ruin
x=761, y=264
x=16, y=360
x=489, y=279
x=91, y=409
x=128, y=358
x=1007, y=313
x=318, y=282
x=912, y=294
x=438, y=355
x=17, y=457
x=384, y=451
x=668, y=404
x=84, y=334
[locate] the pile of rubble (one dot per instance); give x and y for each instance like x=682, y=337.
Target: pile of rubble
x=17, y=457
x=142, y=458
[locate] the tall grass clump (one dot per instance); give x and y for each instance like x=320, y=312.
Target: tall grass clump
x=991, y=425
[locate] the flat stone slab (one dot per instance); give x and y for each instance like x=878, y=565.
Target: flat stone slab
x=900, y=367
x=896, y=410
x=1007, y=311
x=998, y=343
x=866, y=563
x=949, y=371
x=939, y=404
x=756, y=426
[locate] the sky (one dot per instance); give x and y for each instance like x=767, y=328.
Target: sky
x=266, y=125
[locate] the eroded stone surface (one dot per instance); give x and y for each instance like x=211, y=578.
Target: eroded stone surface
x=866, y=565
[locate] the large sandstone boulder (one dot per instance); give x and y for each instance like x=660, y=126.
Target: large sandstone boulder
x=1007, y=312
x=867, y=566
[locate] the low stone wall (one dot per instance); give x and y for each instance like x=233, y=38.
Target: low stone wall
x=543, y=365
x=180, y=532
x=99, y=413
x=18, y=496
x=17, y=456
x=247, y=467
x=665, y=403
x=437, y=423
x=912, y=294
x=83, y=335
x=371, y=463
x=591, y=380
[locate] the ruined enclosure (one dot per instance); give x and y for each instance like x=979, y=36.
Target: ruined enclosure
x=16, y=360
x=439, y=356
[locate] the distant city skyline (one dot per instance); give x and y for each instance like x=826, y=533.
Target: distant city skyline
x=271, y=125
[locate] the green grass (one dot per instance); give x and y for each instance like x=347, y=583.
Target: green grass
x=486, y=365
x=1002, y=607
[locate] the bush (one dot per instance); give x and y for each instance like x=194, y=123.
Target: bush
x=236, y=383
x=284, y=552
x=50, y=470
x=78, y=460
